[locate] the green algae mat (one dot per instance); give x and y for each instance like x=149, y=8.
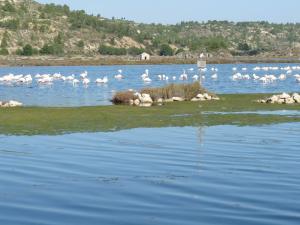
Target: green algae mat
x=232, y=109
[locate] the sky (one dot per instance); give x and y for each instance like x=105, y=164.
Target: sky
x=174, y=11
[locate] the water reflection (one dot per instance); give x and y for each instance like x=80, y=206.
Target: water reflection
x=216, y=175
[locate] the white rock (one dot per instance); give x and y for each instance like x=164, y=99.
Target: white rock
x=178, y=99
x=145, y=98
x=207, y=96
x=196, y=99
x=274, y=99
x=136, y=102
x=262, y=101
x=14, y=104
x=200, y=96
x=145, y=105
x=289, y=100
x=160, y=100
x=281, y=101
x=284, y=95
x=215, y=98
x=296, y=97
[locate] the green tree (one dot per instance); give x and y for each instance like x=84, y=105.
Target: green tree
x=8, y=7
x=3, y=51
x=4, y=42
x=59, y=39
x=135, y=51
x=244, y=47
x=166, y=50
x=19, y=52
x=108, y=50
x=47, y=50
x=27, y=50
x=80, y=44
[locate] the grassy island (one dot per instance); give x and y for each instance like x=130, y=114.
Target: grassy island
x=52, y=121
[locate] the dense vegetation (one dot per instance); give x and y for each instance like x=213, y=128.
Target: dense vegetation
x=29, y=28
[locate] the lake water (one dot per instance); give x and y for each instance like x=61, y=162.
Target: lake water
x=209, y=175
x=65, y=94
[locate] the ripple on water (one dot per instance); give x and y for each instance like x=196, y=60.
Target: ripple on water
x=213, y=175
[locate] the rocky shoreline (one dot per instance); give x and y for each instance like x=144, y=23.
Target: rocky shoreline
x=283, y=98
x=10, y=104
x=145, y=100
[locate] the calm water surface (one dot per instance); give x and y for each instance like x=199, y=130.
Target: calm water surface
x=65, y=94
x=217, y=175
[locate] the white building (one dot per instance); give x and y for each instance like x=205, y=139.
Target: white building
x=144, y=56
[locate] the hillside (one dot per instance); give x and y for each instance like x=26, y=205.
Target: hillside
x=30, y=28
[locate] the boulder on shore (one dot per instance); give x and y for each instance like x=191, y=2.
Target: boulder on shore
x=283, y=98
x=145, y=98
x=296, y=97
x=10, y=104
x=178, y=99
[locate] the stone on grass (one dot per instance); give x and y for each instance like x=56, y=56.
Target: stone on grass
x=215, y=98
x=160, y=100
x=196, y=99
x=284, y=95
x=296, y=97
x=200, y=96
x=136, y=102
x=283, y=98
x=178, y=99
x=207, y=96
x=10, y=104
x=289, y=101
x=145, y=104
x=273, y=99
x=145, y=98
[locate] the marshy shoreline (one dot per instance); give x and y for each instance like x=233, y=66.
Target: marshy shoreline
x=13, y=61
x=231, y=109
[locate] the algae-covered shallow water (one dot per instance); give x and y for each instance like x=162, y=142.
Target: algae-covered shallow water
x=207, y=175
x=61, y=93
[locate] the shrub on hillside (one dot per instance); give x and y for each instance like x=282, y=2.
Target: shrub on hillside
x=135, y=51
x=108, y=50
x=27, y=50
x=166, y=50
x=4, y=51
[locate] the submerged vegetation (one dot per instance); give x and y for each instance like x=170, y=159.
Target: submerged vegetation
x=35, y=120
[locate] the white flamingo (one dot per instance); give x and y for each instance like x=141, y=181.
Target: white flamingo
x=103, y=80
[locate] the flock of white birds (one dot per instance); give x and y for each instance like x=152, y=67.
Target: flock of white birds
x=83, y=78
x=269, y=77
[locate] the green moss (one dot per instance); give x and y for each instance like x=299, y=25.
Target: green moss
x=38, y=120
